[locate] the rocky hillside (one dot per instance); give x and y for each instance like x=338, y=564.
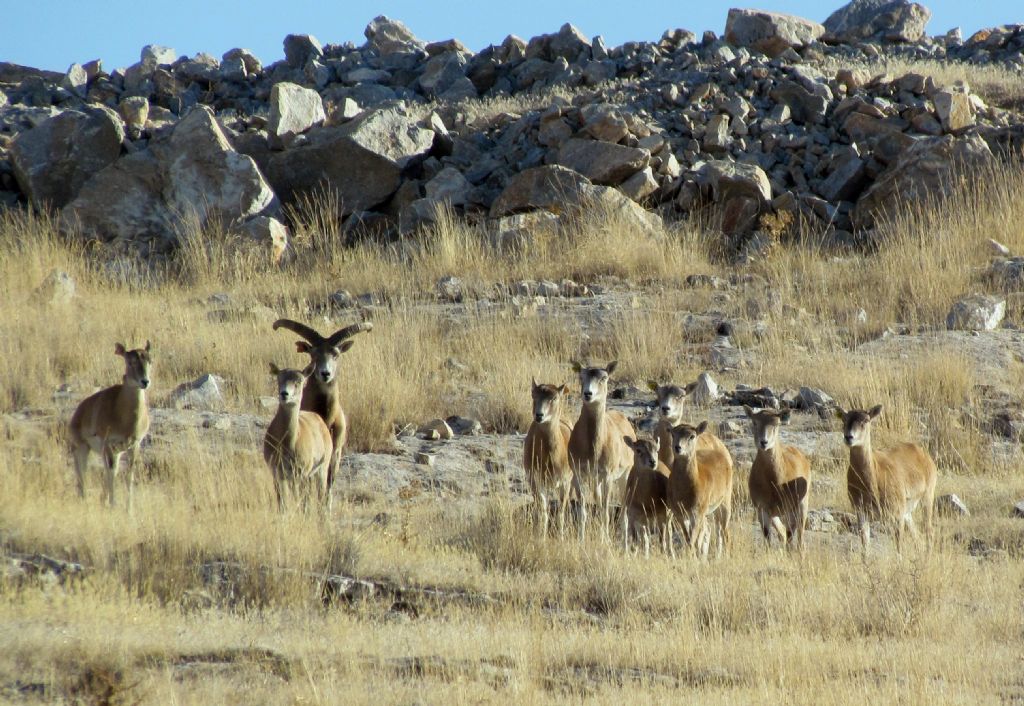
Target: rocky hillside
x=780, y=118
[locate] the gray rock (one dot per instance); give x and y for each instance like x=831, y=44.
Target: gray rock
x=544, y=188
x=389, y=36
x=361, y=161
x=602, y=162
x=604, y=121
x=805, y=107
x=951, y=506
x=52, y=161
x=190, y=176
x=954, y=110
x=441, y=73
x=925, y=170
x=76, y=80
x=449, y=185
x=891, y=20
x=249, y=60
x=814, y=399
x=135, y=112
x=716, y=135
x=1018, y=509
x=157, y=55
x=771, y=33
x=705, y=391
x=450, y=289
x=293, y=110
x=846, y=181
x=301, y=48
x=465, y=426
x=641, y=185
x=203, y=393
x=976, y=313
x=743, y=190
x=270, y=234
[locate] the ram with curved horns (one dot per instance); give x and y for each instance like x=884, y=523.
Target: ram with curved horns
x=321, y=395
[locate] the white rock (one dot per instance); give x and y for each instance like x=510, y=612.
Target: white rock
x=978, y=312
x=293, y=110
x=203, y=393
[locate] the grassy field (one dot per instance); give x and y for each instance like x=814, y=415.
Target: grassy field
x=516, y=617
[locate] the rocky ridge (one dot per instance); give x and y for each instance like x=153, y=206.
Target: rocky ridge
x=399, y=127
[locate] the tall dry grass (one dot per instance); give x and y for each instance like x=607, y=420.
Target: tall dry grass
x=206, y=592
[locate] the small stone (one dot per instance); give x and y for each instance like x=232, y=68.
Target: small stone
x=813, y=398
x=705, y=392
x=450, y=289
x=951, y=506
x=424, y=459
x=465, y=426
x=436, y=429
x=203, y=393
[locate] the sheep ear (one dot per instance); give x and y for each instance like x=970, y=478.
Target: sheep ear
x=840, y=413
x=611, y=366
x=346, y=345
x=274, y=370
x=303, y=347
x=629, y=442
x=119, y=349
x=702, y=427
x=875, y=411
x=652, y=386
x=576, y=366
x=784, y=417
x=149, y=346
x=749, y=412
x=690, y=387
x=564, y=389
x=533, y=383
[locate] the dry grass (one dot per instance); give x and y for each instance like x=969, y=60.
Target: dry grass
x=996, y=84
x=147, y=623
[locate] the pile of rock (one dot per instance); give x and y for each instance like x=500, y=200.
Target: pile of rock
x=171, y=145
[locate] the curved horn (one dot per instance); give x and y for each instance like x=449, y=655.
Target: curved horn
x=301, y=329
x=348, y=332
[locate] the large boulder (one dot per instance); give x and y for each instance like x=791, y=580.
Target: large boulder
x=889, y=20
x=548, y=188
x=925, y=169
x=389, y=36
x=559, y=191
x=361, y=161
x=742, y=190
x=771, y=33
x=293, y=110
x=53, y=160
x=189, y=177
x=602, y=162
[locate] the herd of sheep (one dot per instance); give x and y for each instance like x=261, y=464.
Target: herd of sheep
x=680, y=477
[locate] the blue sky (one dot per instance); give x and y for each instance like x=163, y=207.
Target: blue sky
x=51, y=34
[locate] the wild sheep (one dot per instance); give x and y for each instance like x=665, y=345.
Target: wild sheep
x=700, y=485
x=546, y=454
x=886, y=485
x=323, y=396
x=297, y=446
x=112, y=422
x=780, y=479
x=645, y=502
x=597, y=453
x=670, y=407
